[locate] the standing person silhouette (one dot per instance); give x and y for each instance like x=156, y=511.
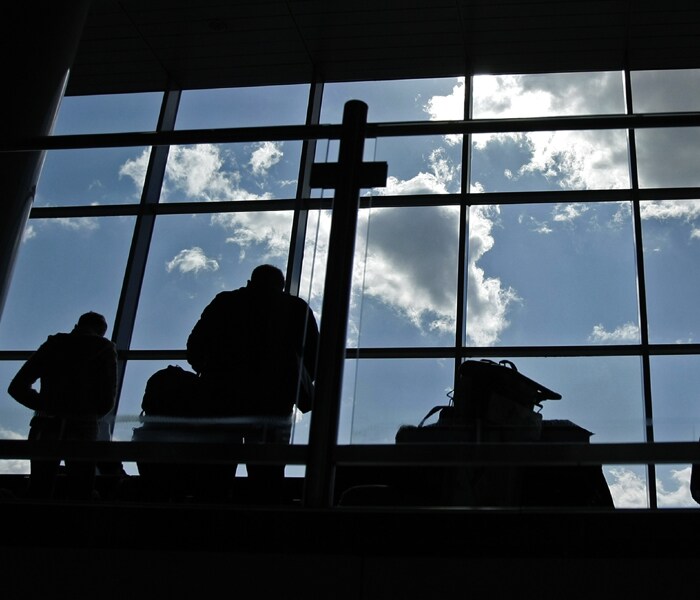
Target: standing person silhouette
x=255, y=350
x=78, y=374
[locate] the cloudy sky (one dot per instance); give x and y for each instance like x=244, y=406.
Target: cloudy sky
x=538, y=274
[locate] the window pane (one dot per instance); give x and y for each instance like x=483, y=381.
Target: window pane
x=381, y=395
x=243, y=107
x=668, y=157
x=402, y=100
x=674, y=385
x=675, y=382
x=14, y=418
x=549, y=160
x=600, y=394
x=225, y=172
x=65, y=267
x=405, y=281
x=420, y=165
x=547, y=95
x=93, y=176
x=551, y=274
x=665, y=91
x=194, y=257
x=671, y=255
x=108, y=114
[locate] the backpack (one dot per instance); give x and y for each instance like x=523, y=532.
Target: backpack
x=172, y=392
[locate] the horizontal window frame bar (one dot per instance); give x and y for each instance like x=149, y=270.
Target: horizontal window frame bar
x=438, y=352
x=365, y=455
x=301, y=133
x=367, y=202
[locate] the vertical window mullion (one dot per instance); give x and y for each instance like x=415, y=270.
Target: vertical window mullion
x=463, y=253
x=641, y=290
x=143, y=232
x=301, y=214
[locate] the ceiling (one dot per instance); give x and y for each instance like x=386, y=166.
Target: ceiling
x=148, y=45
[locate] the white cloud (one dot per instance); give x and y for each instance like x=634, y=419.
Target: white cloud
x=135, y=168
x=29, y=233
x=574, y=159
x=628, y=490
x=577, y=159
x=191, y=260
x=81, y=224
x=629, y=332
x=487, y=299
x=264, y=156
x=448, y=108
x=670, y=209
x=565, y=213
x=679, y=497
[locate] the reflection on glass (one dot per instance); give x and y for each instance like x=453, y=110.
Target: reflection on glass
x=549, y=160
x=14, y=419
x=665, y=91
x=628, y=485
x=671, y=255
x=547, y=95
x=401, y=100
x=551, y=274
x=108, y=113
x=194, y=257
x=243, y=107
x=93, y=176
x=65, y=267
x=405, y=277
x=668, y=157
x=381, y=395
x=226, y=172
x=673, y=487
x=675, y=381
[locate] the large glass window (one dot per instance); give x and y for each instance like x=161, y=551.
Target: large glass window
x=551, y=275
x=671, y=254
x=227, y=172
x=547, y=95
x=243, y=107
x=92, y=177
x=545, y=262
x=549, y=160
x=193, y=258
x=66, y=266
x=401, y=100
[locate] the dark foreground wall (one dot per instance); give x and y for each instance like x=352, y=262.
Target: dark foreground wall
x=104, y=550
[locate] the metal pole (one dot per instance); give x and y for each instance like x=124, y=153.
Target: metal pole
x=347, y=176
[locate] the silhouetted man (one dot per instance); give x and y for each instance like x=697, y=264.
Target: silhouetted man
x=255, y=349
x=77, y=373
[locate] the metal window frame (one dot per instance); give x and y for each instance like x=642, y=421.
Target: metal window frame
x=149, y=208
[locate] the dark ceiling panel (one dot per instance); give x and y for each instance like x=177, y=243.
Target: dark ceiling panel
x=142, y=45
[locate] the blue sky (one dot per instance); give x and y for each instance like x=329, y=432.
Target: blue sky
x=538, y=274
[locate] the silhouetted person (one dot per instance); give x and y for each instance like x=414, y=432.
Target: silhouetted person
x=255, y=349
x=77, y=373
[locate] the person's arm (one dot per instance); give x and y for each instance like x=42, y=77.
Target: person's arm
x=311, y=344
x=108, y=381
x=199, y=340
x=20, y=387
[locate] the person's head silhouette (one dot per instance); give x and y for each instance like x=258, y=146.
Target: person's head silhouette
x=91, y=323
x=267, y=277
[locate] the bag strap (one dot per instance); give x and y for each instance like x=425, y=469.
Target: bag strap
x=431, y=412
